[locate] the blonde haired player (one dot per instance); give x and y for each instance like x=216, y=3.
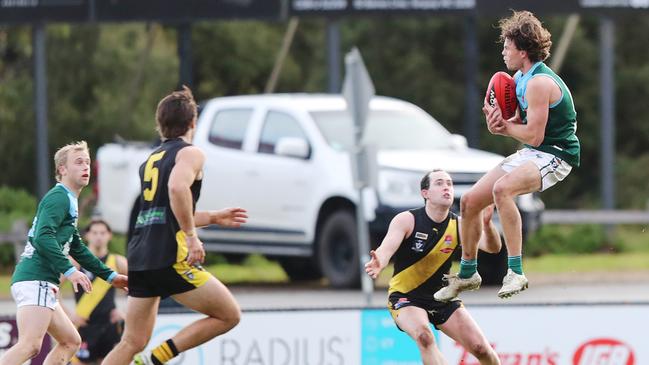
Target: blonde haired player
x=35, y=282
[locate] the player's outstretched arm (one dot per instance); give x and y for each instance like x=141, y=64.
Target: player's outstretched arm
x=400, y=227
x=227, y=217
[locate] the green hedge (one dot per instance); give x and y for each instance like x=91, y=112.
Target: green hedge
x=571, y=239
x=14, y=204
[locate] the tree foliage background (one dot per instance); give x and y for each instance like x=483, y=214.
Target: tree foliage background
x=105, y=80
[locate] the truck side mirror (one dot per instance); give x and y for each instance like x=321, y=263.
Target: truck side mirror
x=292, y=147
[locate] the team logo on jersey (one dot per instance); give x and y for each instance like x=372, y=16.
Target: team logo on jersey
x=448, y=239
x=554, y=163
x=189, y=274
x=401, y=302
x=418, y=246
x=421, y=235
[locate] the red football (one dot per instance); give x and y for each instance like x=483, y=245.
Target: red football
x=502, y=88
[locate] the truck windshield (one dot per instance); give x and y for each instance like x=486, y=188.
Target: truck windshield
x=386, y=129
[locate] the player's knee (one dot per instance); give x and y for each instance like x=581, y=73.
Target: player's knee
x=500, y=191
x=71, y=342
x=424, y=337
x=229, y=315
x=134, y=344
x=469, y=204
x=480, y=350
x=232, y=318
x=32, y=348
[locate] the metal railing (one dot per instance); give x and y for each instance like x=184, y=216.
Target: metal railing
x=595, y=217
x=17, y=236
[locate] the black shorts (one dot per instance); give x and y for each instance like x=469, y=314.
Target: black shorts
x=97, y=339
x=438, y=312
x=176, y=279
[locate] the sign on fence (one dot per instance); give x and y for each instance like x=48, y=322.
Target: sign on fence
x=523, y=335
x=9, y=336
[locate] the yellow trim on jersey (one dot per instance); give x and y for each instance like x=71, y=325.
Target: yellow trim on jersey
x=89, y=301
x=416, y=274
x=181, y=251
x=196, y=276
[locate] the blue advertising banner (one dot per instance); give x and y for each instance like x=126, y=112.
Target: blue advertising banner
x=383, y=343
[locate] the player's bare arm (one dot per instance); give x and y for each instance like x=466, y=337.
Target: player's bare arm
x=122, y=264
x=189, y=164
x=122, y=268
x=490, y=239
x=400, y=228
x=227, y=217
x=539, y=97
x=121, y=280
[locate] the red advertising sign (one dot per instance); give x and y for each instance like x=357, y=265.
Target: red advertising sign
x=9, y=336
x=604, y=351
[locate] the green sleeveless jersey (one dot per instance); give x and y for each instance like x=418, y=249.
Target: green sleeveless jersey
x=52, y=237
x=560, y=138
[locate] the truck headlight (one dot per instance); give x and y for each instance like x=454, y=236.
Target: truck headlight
x=399, y=188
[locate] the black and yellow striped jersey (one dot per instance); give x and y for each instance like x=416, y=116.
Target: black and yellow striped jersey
x=157, y=240
x=424, y=257
x=95, y=306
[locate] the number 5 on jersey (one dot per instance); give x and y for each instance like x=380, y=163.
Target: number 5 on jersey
x=151, y=175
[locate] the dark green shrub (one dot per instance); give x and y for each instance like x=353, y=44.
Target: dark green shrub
x=569, y=239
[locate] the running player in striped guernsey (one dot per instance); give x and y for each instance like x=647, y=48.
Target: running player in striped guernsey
x=35, y=282
x=422, y=242
x=165, y=254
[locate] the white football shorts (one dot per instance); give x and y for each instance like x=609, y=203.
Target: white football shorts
x=552, y=168
x=35, y=292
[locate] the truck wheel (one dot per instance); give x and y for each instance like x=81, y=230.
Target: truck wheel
x=300, y=268
x=338, y=250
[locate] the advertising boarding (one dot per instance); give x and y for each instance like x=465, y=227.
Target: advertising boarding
x=521, y=335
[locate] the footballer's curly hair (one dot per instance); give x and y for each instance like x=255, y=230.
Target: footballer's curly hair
x=527, y=33
x=175, y=113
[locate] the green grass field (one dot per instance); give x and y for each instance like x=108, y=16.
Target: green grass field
x=258, y=270
x=632, y=241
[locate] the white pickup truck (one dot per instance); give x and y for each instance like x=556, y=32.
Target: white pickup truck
x=285, y=159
